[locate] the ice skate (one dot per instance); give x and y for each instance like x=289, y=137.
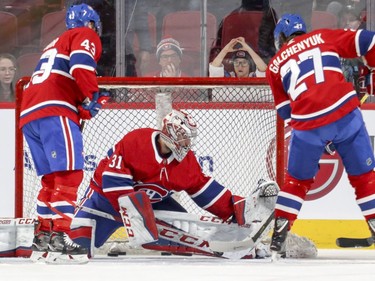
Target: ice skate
x=39, y=247
x=371, y=224
x=62, y=250
x=279, y=236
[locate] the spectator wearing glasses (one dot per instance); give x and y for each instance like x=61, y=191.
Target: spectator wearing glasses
x=246, y=62
x=169, y=57
x=7, y=75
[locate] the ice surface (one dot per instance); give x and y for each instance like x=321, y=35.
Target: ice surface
x=330, y=265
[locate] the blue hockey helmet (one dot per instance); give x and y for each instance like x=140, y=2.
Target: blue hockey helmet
x=288, y=24
x=82, y=15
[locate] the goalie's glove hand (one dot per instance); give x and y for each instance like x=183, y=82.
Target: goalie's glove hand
x=329, y=148
x=258, y=205
x=88, y=110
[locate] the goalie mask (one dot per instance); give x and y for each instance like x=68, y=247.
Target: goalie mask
x=81, y=15
x=178, y=133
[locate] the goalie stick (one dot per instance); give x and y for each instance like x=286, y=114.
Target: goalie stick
x=230, y=246
x=169, y=232
x=345, y=242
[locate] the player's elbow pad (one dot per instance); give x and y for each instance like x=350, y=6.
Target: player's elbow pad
x=284, y=112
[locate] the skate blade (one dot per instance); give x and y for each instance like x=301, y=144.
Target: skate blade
x=37, y=256
x=59, y=258
x=276, y=256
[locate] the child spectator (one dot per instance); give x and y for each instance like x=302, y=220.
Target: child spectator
x=243, y=58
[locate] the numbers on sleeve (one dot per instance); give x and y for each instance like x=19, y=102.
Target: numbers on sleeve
x=293, y=67
x=46, y=67
x=115, y=161
x=89, y=46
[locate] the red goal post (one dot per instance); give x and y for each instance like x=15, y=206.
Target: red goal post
x=240, y=138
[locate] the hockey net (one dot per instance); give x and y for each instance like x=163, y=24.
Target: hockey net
x=239, y=137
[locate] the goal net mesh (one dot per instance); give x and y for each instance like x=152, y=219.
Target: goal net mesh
x=236, y=142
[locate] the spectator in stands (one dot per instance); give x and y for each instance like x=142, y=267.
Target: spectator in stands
x=246, y=5
x=169, y=57
x=265, y=38
x=136, y=23
x=266, y=44
x=7, y=75
x=334, y=8
x=106, y=9
x=244, y=58
x=301, y=7
x=351, y=18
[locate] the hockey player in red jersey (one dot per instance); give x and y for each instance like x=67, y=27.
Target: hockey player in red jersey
x=311, y=93
x=62, y=91
x=138, y=177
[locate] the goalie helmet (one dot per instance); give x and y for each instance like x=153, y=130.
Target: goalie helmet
x=81, y=15
x=179, y=131
x=288, y=24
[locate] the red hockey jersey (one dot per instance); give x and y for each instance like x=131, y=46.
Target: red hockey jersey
x=306, y=77
x=64, y=77
x=135, y=164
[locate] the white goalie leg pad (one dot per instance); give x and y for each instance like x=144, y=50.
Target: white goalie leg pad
x=299, y=247
x=138, y=218
x=296, y=247
x=207, y=228
x=82, y=231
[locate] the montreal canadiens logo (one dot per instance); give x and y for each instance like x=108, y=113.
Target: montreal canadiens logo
x=155, y=192
x=328, y=176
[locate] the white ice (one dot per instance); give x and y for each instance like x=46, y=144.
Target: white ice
x=330, y=265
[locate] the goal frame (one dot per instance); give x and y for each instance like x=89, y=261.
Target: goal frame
x=149, y=81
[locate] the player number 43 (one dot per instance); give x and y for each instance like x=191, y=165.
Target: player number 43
x=293, y=66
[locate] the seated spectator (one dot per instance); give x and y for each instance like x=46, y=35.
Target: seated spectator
x=243, y=58
x=334, y=8
x=169, y=57
x=7, y=74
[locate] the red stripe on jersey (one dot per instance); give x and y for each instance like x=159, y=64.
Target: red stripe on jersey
x=68, y=143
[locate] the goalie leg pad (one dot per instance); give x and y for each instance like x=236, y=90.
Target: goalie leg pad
x=138, y=218
x=83, y=233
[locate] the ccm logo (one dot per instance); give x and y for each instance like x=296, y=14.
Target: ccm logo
x=126, y=221
x=182, y=238
x=214, y=220
x=26, y=221
x=5, y=221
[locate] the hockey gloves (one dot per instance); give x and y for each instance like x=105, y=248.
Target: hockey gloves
x=88, y=110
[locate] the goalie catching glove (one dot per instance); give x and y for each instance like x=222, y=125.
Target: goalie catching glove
x=88, y=110
x=258, y=205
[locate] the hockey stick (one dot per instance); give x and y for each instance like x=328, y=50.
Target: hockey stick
x=345, y=242
x=230, y=246
x=167, y=232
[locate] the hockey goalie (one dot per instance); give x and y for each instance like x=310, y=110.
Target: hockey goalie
x=134, y=185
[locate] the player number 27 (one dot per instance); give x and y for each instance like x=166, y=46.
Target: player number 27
x=292, y=66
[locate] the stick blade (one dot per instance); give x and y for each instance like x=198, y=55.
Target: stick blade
x=345, y=242
x=230, y=246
